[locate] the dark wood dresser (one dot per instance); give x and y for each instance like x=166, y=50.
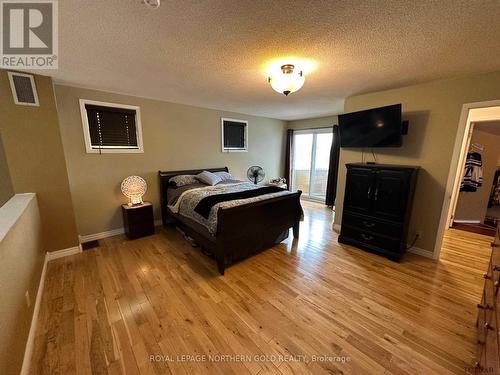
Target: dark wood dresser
x=377, y=206
x=488, y=319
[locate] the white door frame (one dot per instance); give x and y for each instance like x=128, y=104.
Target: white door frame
x=460, y=173
x=455, y=172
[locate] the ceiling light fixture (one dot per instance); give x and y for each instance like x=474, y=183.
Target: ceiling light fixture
x=288, y=80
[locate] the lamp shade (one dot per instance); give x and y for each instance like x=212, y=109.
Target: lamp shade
x=134, y=187
x=287, y=81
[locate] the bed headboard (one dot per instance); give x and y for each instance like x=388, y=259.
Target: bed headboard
x=165, y=176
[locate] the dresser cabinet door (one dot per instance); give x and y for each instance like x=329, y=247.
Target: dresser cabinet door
x=390, y=195
x=359, y=190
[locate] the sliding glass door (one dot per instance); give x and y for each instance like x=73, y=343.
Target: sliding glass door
x=311, y=159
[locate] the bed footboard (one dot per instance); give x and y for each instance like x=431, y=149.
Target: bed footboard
x=246, y=229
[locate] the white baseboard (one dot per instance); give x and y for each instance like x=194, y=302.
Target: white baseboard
x=421, y=252
x=467, y=221
x=51, y=255
x=28, y=351
x=100, y=235
x=106, y=234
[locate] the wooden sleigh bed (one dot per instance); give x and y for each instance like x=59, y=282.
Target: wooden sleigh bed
x=241, y=230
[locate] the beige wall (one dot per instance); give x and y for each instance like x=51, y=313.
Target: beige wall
x=433, y=110
x=36, y=162
x=21, y=265
x=175, y=137
x=311, y=123
x=473, y=205
x=6, y=189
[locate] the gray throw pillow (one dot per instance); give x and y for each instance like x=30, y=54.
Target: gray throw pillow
x=183, y=179
x=224, y=175
x=208, y=178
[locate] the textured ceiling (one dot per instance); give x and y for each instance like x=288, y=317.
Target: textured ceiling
x=214, y=53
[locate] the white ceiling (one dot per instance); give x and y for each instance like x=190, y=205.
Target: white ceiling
x=214, y=53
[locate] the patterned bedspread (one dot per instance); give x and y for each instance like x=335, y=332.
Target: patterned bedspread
x=188, y=200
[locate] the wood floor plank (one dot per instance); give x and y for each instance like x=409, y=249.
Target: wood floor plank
x=156, y=305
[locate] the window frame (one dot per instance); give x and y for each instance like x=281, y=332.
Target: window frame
x=111, y=149
x=233, y=149
x=13, y=88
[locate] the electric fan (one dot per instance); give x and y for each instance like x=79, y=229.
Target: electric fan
x=255, y=174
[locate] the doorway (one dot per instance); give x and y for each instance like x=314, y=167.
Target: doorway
x=310, y=164
x=473, y=115
x=474, y=210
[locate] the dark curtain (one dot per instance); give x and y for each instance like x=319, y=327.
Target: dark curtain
x=288, y=158
x=333, y=169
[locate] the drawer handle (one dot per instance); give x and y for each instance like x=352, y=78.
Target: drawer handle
x=484, y=307
x=368, y=224
x=486, y=276
x=496, y=268
x=366, y=237
x=488, y=326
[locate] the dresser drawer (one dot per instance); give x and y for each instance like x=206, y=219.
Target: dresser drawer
x=491, y=348
x=490, y=286
x=378, y=227
x=371, y=239
x=495, y=263
x=495, y=254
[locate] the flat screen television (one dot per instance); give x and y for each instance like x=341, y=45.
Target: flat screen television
x=376, y=127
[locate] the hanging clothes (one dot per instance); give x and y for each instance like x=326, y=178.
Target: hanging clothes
x=473, y=176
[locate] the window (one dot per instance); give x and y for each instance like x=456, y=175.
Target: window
x=234, y=135
x=111, y=128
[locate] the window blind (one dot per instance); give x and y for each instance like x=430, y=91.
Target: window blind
x=111, y=127
x=234, y=134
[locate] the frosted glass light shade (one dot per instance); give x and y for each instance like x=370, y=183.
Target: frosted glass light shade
x=134, y=187
x=287, y=81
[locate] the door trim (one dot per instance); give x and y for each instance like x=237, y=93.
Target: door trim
x=463, y=127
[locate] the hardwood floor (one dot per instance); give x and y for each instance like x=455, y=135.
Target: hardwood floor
x=107, y=310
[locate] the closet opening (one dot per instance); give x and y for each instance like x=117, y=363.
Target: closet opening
x=471, y=203
x=476, y=203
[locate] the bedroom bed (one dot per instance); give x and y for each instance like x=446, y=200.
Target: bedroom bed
x=230, y=229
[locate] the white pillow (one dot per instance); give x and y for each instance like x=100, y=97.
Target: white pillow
x=224, y=175
x=208, y=178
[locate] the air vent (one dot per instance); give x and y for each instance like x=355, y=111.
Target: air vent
x=23, y=89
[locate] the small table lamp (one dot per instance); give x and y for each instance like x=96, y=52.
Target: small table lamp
x=134, y=187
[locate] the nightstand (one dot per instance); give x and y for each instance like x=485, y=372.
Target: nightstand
x=138, y=220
